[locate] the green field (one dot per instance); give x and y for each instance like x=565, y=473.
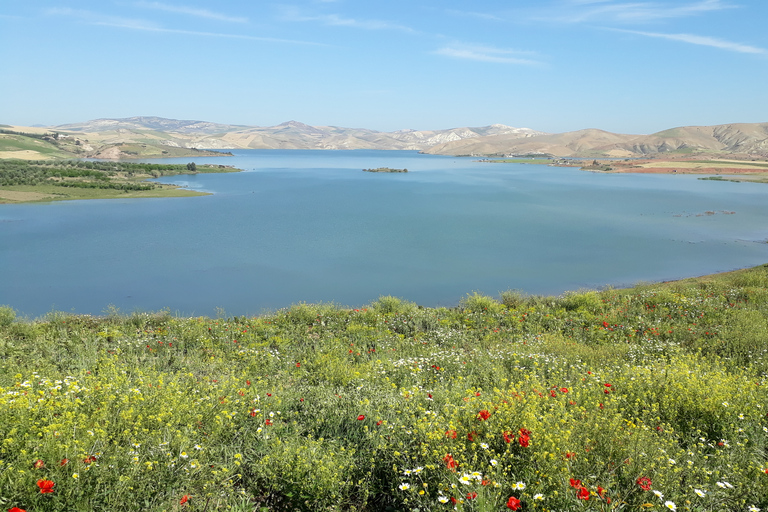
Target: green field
x=40, y=181
x=650, y=398
x=13, y=142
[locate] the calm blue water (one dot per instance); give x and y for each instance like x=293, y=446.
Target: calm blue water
x=311, y=226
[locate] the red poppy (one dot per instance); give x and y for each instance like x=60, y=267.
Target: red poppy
x=563, y=390
x=361, y=417
x=524, y=440
x=46, y=486
x=450, y=433
x=454, y=500
x=607, y=385
x=607, y=391
x=63, y=462
x=575, y=483
x=484, y=414
x=450, y=462
x=471, y=495
x=644, y=482
x=471, y=436
x=508, y=436
x=184, y=499
x=268, y=422
x=513, y=503
x=601, y=491
x=582, y=493
x=16, y=509
x=89, y=459
x=298, y=365
x=570, y=455
x=525, y=432
x=552, y=393
x=38, y=464
x=379, y=422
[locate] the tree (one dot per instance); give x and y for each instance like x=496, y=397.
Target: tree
x=191, y=166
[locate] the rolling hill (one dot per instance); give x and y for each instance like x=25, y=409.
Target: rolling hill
x=742, y=138
x=147, y=136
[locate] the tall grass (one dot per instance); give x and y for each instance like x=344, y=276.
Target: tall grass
x=651, y=398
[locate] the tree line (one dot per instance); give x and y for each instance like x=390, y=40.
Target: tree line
x=85, y=174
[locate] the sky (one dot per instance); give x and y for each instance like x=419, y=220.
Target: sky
x=625, y=66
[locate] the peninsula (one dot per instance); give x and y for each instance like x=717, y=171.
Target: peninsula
x=24, y=181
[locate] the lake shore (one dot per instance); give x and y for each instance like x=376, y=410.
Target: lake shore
x=735, y=169
x=58, y=191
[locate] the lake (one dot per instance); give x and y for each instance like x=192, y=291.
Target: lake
x=310, y=226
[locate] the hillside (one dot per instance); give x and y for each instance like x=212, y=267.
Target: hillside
x=743, y=138
x=581, y=142
x=151, y=137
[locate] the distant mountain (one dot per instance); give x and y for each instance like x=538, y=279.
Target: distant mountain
x=170, y=136
x=288, y=135
x=148, y=123
x=744, y=138
x=748, y=138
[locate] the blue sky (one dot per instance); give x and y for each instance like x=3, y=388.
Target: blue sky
x=628, y=66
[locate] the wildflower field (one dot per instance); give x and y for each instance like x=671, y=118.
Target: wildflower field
x=651, y=398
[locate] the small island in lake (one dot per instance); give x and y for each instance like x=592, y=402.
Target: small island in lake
x=385, y=169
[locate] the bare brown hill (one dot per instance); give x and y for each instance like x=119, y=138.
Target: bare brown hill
x=288, y=135
x=746, y=138
x=581, y=142
x=742, y=138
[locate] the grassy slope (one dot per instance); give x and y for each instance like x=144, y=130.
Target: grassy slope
x=39, y=149
x=148, y=146
x=395, y=407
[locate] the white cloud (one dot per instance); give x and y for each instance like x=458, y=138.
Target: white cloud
x=605, y=11
x=473, y=14
x=703, y=41
x=486, y=54
x=191, y=11
x=93, y=18
x=102, y=19
x=293, y=14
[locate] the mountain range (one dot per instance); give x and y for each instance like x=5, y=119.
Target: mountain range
x=288, y=135
x=740, y=138
x=105, y=137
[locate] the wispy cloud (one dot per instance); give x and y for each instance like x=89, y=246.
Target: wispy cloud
x=293, y=14
x=191, y=11
x=93, y=18
x=605, y=11
x=702, y=41
x=473, y=14
x=486, y=54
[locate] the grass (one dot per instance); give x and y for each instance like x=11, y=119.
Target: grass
x=31, y=147
x=13, y=143
x=649, y=398
x=732, y=163
x=44, y=181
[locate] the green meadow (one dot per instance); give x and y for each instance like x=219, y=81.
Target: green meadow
x=649, y=398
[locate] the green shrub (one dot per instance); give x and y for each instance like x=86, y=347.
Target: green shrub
x=7, y=316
